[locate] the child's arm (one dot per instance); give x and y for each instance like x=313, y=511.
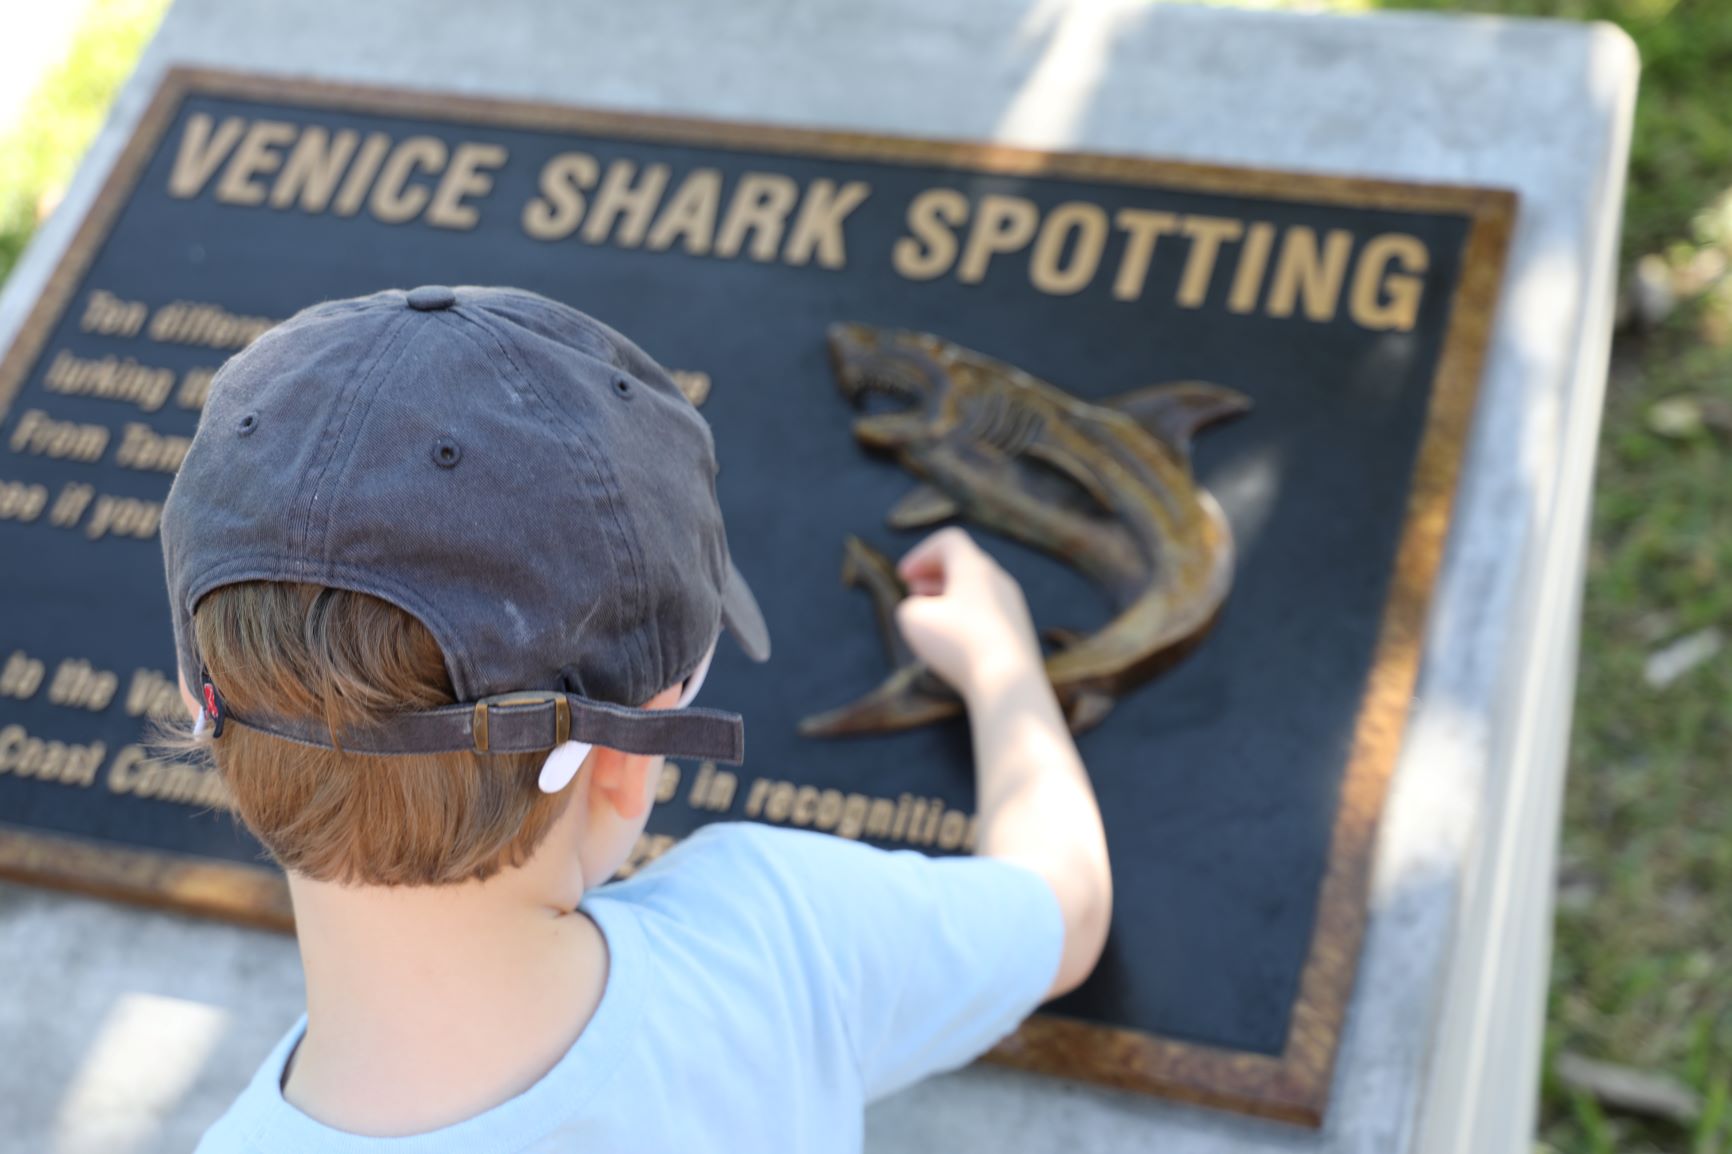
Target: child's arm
x=967, y=619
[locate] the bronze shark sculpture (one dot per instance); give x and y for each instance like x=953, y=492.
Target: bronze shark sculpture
x=1103, y=486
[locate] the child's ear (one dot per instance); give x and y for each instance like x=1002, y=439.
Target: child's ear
x=621, y=779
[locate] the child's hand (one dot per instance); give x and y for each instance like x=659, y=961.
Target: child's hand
x=964, y=615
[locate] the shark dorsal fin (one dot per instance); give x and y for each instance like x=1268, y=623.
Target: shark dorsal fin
x=1176, y=410
x=921, y=506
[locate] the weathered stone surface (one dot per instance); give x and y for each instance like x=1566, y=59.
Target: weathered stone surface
x=136, y=1027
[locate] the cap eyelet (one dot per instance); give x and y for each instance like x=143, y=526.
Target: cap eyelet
x=248, y=424
x=622, y=386
x=446, y=453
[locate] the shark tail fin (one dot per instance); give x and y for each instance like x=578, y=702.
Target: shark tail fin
x=1176, y=410
x=921, y=506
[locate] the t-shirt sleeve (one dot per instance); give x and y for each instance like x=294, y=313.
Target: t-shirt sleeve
x=923, y=962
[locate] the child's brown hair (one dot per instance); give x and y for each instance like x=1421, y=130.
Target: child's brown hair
x=348, y=659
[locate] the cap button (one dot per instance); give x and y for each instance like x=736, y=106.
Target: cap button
x=431, y=298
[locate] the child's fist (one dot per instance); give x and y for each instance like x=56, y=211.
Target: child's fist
x=964, y=615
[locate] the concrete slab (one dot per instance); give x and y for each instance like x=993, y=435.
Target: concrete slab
x=128, y=1031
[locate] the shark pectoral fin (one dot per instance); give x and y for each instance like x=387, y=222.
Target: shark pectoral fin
x=1175, y=411
x=921, y=506
x=1086, y=709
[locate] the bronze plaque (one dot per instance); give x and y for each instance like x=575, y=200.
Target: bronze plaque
x=885, y=334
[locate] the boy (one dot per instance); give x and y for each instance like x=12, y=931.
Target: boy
x=447, y=570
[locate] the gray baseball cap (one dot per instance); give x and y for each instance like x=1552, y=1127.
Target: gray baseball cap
x=519, y=477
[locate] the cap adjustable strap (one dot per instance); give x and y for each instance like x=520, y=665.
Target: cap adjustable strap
x=528, y=723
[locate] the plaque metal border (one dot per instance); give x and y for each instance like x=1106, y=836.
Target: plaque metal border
x=1292, y=1086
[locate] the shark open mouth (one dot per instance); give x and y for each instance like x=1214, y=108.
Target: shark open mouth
x=888, y=388
x=883, y=388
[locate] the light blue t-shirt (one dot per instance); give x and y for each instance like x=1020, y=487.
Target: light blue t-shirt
x=763, y=986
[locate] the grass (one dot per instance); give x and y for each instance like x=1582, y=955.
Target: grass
x=38, y=157
x=1642, y=972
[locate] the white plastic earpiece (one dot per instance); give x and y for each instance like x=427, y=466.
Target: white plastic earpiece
x=562, y=765
x=564, y=762
x=198, y=724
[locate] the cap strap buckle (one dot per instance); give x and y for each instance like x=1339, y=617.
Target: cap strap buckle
x=479, y=723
